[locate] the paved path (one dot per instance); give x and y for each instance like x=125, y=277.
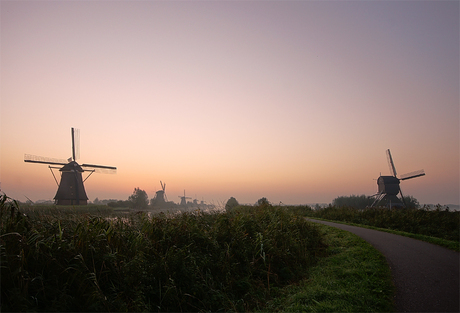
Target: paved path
x=426, y=276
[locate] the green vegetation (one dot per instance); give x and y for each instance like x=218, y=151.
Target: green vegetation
x=363, y=201
x=353, y=278
x=233, y=261
x=248, y=258
x=139, y=199
x=437, y=223
x=231, y=204
x=359, y=202
x=67, y=211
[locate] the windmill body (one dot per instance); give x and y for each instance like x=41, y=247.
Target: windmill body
x=71, y=189
x=183, y=200
x=160, y=199
x=389, y=186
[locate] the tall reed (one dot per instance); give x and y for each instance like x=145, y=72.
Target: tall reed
x=232, y=261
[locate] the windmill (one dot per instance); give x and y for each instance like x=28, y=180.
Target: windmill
x=389, y=185
x=71, y=190
x=183, y=199
x=160, y=198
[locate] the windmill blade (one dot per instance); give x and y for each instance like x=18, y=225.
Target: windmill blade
x=44, y=160
x=390, y=163
x=75, y=144
x=412, y=175
x=402, y=197
x=163, y=186
x=99, y=168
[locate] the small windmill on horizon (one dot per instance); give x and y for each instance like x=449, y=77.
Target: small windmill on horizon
x=160, y=199
x=389, y=185
x=183, y=199
x=71, y=190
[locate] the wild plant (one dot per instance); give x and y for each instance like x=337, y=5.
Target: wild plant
x=232, y=261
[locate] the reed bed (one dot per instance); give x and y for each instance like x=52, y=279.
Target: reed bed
x=230, y=261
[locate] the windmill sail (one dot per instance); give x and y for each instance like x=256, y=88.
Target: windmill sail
x=163, y=187
x=412, y=175
x=44, y=160
x=390, y=163
x=75, y=144
x=99, y=168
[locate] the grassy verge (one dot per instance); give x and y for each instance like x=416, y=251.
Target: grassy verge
x=353, y=278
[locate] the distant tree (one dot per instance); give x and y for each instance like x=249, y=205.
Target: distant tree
x=411, y=202
x=262, y=202
x=139, y=199
x=354, y=201
x=231, y=204
x=119, y=204
x=107, y=201
x=96, y=201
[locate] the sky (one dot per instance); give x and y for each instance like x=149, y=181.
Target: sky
x=295, y=101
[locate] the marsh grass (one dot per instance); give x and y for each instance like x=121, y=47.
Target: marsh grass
x=62, y=211
x=232, y=261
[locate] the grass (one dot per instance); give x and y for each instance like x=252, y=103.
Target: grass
x=423, y=223
x=353, y=278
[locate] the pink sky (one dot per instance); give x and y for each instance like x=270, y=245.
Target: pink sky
x=295, y=101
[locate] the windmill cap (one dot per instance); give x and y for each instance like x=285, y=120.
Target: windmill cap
x=72, y=166
x=387, y=180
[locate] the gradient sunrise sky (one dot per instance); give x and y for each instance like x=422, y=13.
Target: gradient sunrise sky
x=295, y=101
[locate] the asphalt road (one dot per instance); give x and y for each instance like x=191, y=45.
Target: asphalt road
x=426, y=276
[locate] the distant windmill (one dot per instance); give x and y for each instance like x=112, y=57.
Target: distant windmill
x=160, y=198
x=183, y=200
x=389, y=185
x=71, y=190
